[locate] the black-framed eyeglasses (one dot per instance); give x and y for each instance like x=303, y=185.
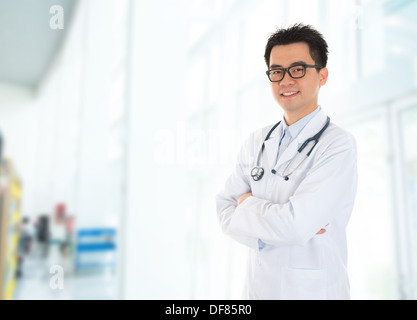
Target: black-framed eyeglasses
x=295, y=72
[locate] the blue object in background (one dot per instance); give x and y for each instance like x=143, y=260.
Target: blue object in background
x=95, y=248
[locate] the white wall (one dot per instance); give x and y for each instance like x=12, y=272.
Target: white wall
x=66, y=135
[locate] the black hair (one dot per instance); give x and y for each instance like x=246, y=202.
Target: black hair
x=300, y=33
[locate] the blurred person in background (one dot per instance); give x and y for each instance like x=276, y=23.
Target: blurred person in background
x=42, y=231
x=26, y=234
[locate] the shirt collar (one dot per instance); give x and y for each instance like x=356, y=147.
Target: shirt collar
x=296, y=127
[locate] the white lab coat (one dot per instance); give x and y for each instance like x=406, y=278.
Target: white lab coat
x=296, y=263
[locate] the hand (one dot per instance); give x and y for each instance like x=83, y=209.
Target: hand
x=243, y=197
x=322, y=230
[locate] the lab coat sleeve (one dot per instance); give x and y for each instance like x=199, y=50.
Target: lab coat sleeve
x=325, y=195
x=226, y=201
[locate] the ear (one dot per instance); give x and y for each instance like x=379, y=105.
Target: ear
x=323, y=74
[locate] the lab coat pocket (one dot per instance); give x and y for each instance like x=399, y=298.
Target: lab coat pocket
x=303, y=284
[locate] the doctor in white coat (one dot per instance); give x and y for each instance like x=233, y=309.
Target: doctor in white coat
x=293, y=218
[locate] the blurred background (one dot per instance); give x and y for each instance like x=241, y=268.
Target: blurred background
x=120, y=120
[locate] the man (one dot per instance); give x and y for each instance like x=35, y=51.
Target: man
x=291, y=206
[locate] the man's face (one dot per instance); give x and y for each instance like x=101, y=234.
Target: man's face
x=298, y=97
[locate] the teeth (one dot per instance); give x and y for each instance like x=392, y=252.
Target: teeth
x=289, y=93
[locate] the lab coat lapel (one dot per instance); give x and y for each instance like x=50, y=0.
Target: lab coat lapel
x=312, y=127
x=271, y=146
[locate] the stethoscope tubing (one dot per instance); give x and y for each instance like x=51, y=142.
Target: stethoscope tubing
x=257, y=172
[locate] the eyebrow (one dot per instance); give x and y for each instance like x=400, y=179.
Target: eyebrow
x=291, y=65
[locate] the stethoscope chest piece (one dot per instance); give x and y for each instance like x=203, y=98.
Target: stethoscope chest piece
x=257, y=173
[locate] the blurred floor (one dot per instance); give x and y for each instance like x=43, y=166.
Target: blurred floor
x=36, y=279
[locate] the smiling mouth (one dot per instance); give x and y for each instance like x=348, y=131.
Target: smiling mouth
x=289, y=94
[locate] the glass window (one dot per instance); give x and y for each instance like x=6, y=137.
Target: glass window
x=369, y=230
x=408, y=120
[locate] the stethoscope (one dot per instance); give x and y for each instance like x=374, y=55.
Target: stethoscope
x=257, y=172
